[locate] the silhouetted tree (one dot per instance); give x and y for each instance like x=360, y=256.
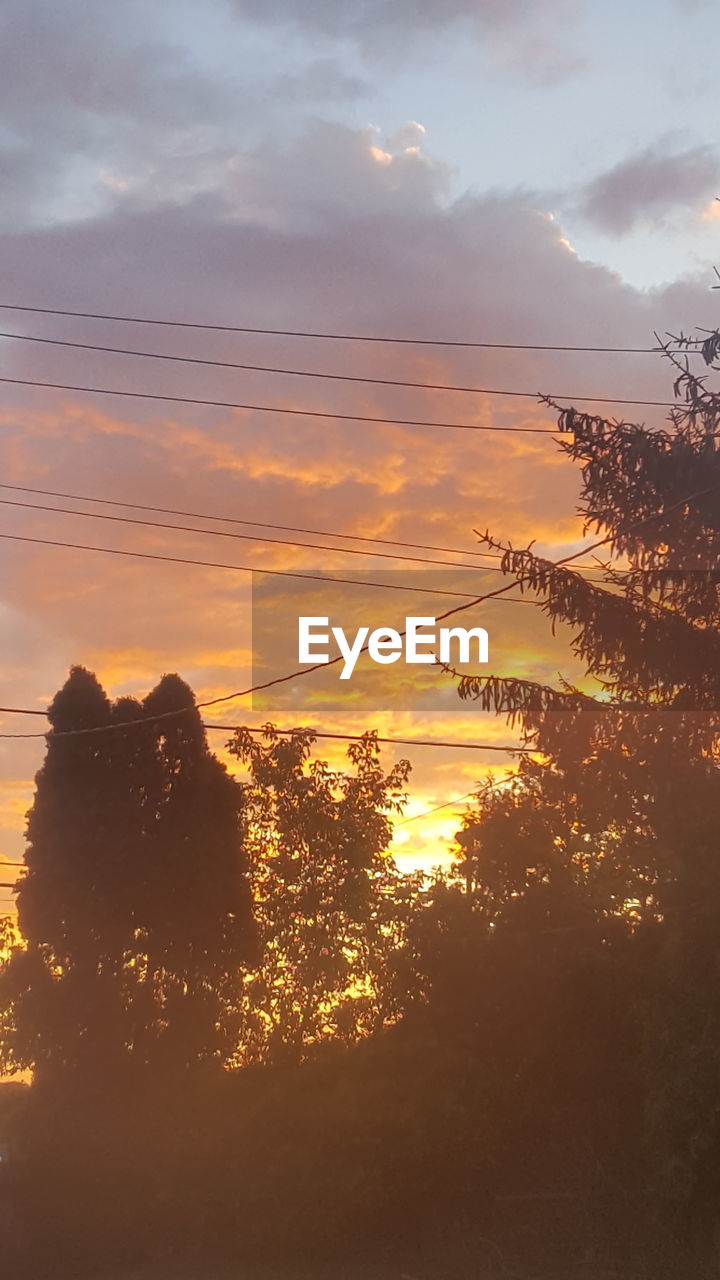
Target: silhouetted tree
x=615, y=835
x=135, y=908
x=331, y=906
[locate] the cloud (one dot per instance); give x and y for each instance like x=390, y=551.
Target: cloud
x=369, y=20
x=311, y=225
x=74, y=82
x=541, y=60
x=323, y=80
x=94, y=97
x=385, y=29
x=649, y=187
x=102, y=100
x=334, y=172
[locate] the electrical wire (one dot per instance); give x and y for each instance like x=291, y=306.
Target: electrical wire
x=321, y=666
x=335, y=337
x=259, y=524
x=426, y=813
x=247, y=537
x=477, y=792
x=538, y=396
x=256, y=524
x=319, y=734
x=243, y=568
x=359, y=737
x=258, y=688
x=306, y=413
x=309, y=373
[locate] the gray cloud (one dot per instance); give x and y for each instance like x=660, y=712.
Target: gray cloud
x=322, y=80
x=85, y=87
x=335, y=230
x=92, y=94
x=380, y=28
x=541, y=61
x=186, y=177
x=649, y=187
x=97, y=99
x=361, y=19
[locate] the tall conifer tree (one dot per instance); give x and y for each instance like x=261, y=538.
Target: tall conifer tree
x=616, y=831
x=135, y=908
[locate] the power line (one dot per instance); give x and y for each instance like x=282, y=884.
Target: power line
x=21, y=737
x=477, y=792
x=21, y=711
x=306, y=413
x=426, y=813
x=243, y=568
x=256, y=524
x=246, y=537
x=353, y=417
x=335, y=337
x=490, y=595
x=415, y=817
x=358, y=737
x=259, y=524
x=321, y=666
x=316, y=733
x=232, y=697
x=300, y=373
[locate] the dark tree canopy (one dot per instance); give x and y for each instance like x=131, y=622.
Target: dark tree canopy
x=534, y=1030
x=135, y=907
x=331, y=905
x=612, y=834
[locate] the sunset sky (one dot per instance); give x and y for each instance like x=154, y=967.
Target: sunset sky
x=518, y=171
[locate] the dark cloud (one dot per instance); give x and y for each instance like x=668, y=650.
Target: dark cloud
x=649, y=187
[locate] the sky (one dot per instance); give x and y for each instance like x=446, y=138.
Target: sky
x=483, y=170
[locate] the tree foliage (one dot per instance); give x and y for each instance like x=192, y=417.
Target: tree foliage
x=537, y=1025
x=135, y=908
x=611, y=834
x=331, y=906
